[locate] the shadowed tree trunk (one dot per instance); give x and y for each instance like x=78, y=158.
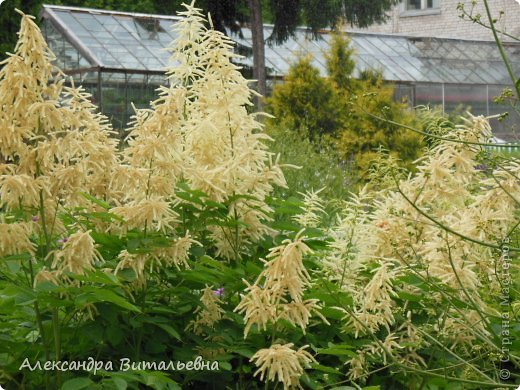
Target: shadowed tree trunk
x=257, y=32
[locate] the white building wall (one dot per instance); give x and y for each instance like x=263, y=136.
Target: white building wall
x=445, y=22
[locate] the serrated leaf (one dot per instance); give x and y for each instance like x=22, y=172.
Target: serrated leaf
x=120, y=383
x=93, y=295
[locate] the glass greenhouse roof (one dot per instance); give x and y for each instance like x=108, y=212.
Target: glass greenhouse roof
x=87, y=38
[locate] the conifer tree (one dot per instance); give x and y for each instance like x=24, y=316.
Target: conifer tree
x=338, y=108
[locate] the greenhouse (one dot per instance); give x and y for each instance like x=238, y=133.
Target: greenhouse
x=120, y=58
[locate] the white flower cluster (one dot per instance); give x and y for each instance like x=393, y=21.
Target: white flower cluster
x=442, y=225
x=54, y=146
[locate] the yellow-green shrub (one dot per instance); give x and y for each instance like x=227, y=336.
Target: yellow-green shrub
x=343, y=110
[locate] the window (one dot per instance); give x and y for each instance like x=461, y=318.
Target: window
x=418, y=5
x=413, y=4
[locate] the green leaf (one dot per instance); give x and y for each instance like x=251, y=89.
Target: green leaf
x=336, y=352
x=47, y=286
x=120, y=383
x=21, y=295
x=77, y=384
x=106, y=239
x=22, y=256
x=335, y=314
x=409, y=297
x=284, y=225
x=328, y=370
x=244, y=352
x=157, y=380
x=212, y=262
x=317, y=244
x=104, y=295
x=170, y=330
x=343, y=388
x=97, y=277
x=217, y=205
x=106, y=217
x=190, y=198
x=95, y=200
x=224, y=366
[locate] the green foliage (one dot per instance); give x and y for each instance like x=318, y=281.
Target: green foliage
x=363, y=134
x=306, y=102
x=103, y=317
x=316, y=14
x=9, y=22
x=318, y=165
x=340, y=64
x=345, y=111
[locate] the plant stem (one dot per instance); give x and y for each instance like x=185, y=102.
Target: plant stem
x=430, y=135
x=141, y=329
x=40, y=324
x=448, y=229
x=409, y=368
x=57, y=340
x=501, y=50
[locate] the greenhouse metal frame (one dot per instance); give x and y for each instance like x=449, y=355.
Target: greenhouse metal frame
x=121, y=57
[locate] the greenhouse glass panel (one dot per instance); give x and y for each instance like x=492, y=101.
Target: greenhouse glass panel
x=429, y=94
x=114, y=98
x=90, y=23
x=472, y=97
x=67, y=56
x=506, y=126
x=404, y=93
x=130, y=49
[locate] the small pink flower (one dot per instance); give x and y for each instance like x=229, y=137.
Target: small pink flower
x=219, y=291
x=35, y=218
x=63, y=240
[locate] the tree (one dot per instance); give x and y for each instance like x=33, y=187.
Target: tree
x=340, y=109
x=257, y=35
x=315, y=14
x=307, y=102
x=9, y=20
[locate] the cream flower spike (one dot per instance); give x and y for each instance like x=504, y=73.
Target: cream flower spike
x=313, y=209
x=199, y=131
x=277, y=294
x=24, y=81
x=209, y=313
x=283, y=364
x=78, y=254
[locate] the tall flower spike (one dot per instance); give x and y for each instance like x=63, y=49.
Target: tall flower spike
x=313, y=209
x=77, y=255
x=54, y=146
x=282, y=363
x=209, y=313
x=24, y=82
x=395, y=239
x=224, y=151
x=278, y=291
